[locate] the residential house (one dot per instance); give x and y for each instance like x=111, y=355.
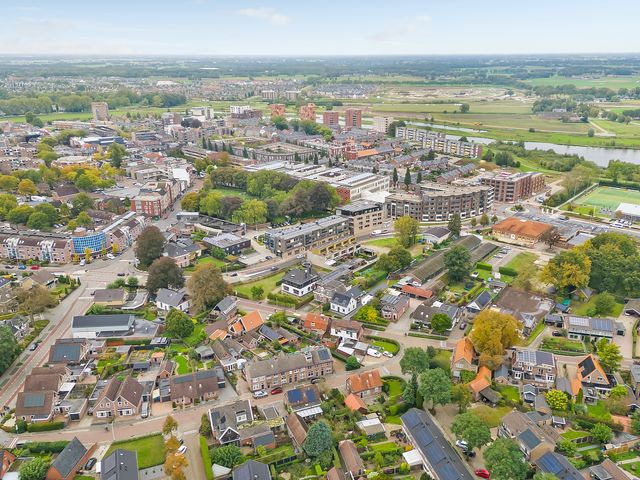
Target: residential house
x=594, y=380
x=120, y=465
x=371, y=426
x=558, y=465
x=482, y=301
x=166, y=369
x=110, y=297
x=297, y=430
x=534, y=367
x=183, y=251
x=345, y=303
x=366, y=384
x=355, y=404
x=463, y=358
x=318, y=323
x=250, y=322
x=71, y=459
x=120, y=398
x=607, y=470
x=425, y=312
x=230, y=243
x=229, y=354
x=434, y=235
x=166, y=299
x=6, y=460
x=44, y=278
x=68, y=351
x=35, y=406
x=436, y=454
x=251, y=470
x=299, y=282
x=233, y=423
x=351, y=458
x=225, y=309
x=302, y=366
x=392, y=307
x=337, y=474
x=326, y=288
x=200, y=386
x=417, y=292
x=304, y=400
x=347, y=329
x=526, y=430
x=8, y=298
x=18, y=325
x=585, y=328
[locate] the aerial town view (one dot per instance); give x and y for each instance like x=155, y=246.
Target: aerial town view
x=300, y=241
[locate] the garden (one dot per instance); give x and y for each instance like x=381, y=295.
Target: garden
x=150, y=449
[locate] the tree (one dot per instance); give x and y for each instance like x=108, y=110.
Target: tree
x=251, y=212
x=570, y=268
x=435, y=386
x=395, y=176
x=484, y=220
x=35, y=469
x=352, y=363
x=164, y=273
x=84, y=220
x=415, y=360
x=455, y=225
x=406, y=230
x=441, y=322
x=190, y=202
x=410, y=392
x=407, y=178
x=206, y=286
x=505, y=461
x=609, y=355
x=474, y=222
x=557, y=400
x=461, y=395
x=205, y=425
x=458, y=262
x=567, y=447
x=38, y=221
x=149, y=245
x=116, y=153
x=493, y=332
x=472, y=429
x=228, y=456
x=132, y=282
x=178, y=324
x=464, y=108
x=86, y=182
x=551, y=237
x=169, y=425
x=635, y=423
x=35, y=300
x=174, y=466
x=27, y=187
x=87, y=255
x=604, y=302
x=601, y=433
x=19, y=214
x=257, y=292
x=319, y=439
x=10, y=348
x=419, y=177
x=171, y=445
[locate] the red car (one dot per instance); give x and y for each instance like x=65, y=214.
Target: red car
x=35, y=267
x=276, y=390
x=481, y=472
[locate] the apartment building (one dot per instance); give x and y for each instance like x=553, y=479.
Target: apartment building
x=353, y=118
x=308, y=112
x=438, y=142
x=364, y=216
x=513, y=187
x=534, y=367
x=331, y=119
x=269, y=94
x=100, y=111
x=381, y=124
x=155, y=198
x=277, y=109
x=296, y=240
x=22, y=246
x=294, y=368
x=438, y=202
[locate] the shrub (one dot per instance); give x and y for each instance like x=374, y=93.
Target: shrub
x=484, y=266
x=46, y=447
x=206, y=458
x=45, y=426
x=508, y=271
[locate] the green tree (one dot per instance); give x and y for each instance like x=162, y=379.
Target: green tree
x=116, y=153
x=557, y=400
x=35, y=300
x=415, y=360
x=395, y=176
x=601, y=433
x=169, y=426
x=407, y=178
x=441, y=322
x=474, y=222
x=257, y=292
x=464, y=108
x=319, y=439
x=27, y=187
x=84, y=220
x=10, y=348
x=81, y=203
x=505, y=461
x=461, y=396
x=406, y=231
x=484, y=220
x=251, y=212
x=228, y=456
x=19, y=214
x=419, y=177
x=149, y=245
x=458, y=262
x=545, y=476
x=609, y=355
x=472, y=429
x=206, y=286
x=35, y=469
x=635, y=421
x=604, y=302
x=567, y=447
x=38, y=221
x=352, y=363
x=570, y=268
x=190, y=202
x=178, y=324
x=455, y=225
x=410, y=392
x=86, y=182
x=435, y=386
x=164, y=273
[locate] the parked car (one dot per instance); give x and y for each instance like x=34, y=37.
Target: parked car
x=474, y=275
x=182, y=449
x=35, y=267
x=260, y=394
x=110, y=256
x=276, y=390
x=22, y=267
x=463, y=325
x=274, y=268
x=481, y=472
x=387, y=354
x=462, y=444
x=89, y=465
x=121, y=274
x=8, y=267
x=556, y=333
x=372, y=352
x=33, y=346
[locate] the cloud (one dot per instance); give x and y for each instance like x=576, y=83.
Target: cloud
x=403, y=32
x=265, y=13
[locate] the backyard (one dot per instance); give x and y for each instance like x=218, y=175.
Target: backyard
x=268, y=284
x=588, y=309
x=150, y=449
x=492, y=416
x=565, y=345
x=521, y=260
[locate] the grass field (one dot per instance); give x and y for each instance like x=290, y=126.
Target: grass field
x=268, y=284
x=608, y=197
x=388, y=346
x=382, y=242
x=150, y=450
x=183, y=365
x=521, y=260
x=442, y=360
x=613, y=82
x=583, y=309
x=508, y=121
x=492, y=416
x=574, y=434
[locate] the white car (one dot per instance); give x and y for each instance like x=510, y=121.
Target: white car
x=387, y=354
x=182, y=449
x=260, y=394
x=110, y=256
x=82, y=262
x=373, y=352
x=462, y=444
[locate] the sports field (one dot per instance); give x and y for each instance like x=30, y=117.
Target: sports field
x=608, y=198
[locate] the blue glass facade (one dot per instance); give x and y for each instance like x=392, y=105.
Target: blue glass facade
x=95, y=242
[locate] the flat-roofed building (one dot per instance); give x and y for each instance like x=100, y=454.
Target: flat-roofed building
x=93, y=326
x=364, y=216
x=513, y=187
x=300, y=238
x=331, y=118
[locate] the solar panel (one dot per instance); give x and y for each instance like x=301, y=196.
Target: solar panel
x=311, y=395
x=33, y=400
x=323, y=354
x=109, y=462
x=550, y=463
x=294, y=396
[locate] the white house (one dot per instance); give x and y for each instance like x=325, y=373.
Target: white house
x=299, y=282
x=345, y=303
x=166, y=299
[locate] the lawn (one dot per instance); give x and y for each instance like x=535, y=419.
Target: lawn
x=396, y=387
x=608, y=198
x=606, y=81
x=442, y=360
x=534, y=334
x=521, y=260
x=509, y=392
x=574, y=434
x=384, y=447
x=618, y=457
x=492, y=416
x=599, y=411
x=382, y=242
x=183, y=365
x=268, y=284
x=588, y=308
x=388, y=346
x=232, y=192
x=150, y=449
x=562, y=344
x=633, y=468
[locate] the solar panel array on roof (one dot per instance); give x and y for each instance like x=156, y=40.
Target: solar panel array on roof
x=323, y=354
x=311, y=395
x=183, y=379
x=33, y=400
x=294, y=396
x=108, y=463
x=550, y=464
x=579, y=321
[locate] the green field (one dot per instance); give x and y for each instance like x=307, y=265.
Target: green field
x=268, y=284
x=521, y=260
x=613, y=82
x=492, y=416
x=608, y=197
x=150, y=450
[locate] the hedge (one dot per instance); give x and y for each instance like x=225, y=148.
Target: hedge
x=382, y=339
x=484, y=266
x=508, y=271
x=288, y=300
x=206, y=458
x=46, y=447
x=426, y=335
x=45, y=426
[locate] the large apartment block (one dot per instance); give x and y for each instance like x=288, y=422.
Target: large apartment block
x=296, y=240
x=277, y=109
x=438, y=202
x=308, y=112
x=353, y=118
x=294, y=368
x=331, y=118
x=155, y=198
x=21, y=246
x=364, y=216
x=513, y=187
x=381, y=124
x=438, y=142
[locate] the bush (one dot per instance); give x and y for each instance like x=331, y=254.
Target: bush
x=484, y=266
x=206, y=458
x=46, y=447
x=45, y=426
x=508, y=271
x=352, y=363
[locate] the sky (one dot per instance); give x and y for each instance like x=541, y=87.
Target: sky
x=328, y=27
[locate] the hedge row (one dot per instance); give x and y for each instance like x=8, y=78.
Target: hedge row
x=206, y=458
x=484, y=266
x=382, y=339
x=426, y=335
x=45, y=426
x=508, y=271
x=46, y=447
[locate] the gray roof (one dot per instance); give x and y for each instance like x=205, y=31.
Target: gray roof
x=635, y=373
x=559, y=466
x=252, y=470
x=535, y=357
x=529, y=439
x=170, y=297
x=108, y=294
x=179, y=248
x=225, y=240
x=69, y=458
x=483, y=299
x=341, y=299
x=226, y=304
x=116, y=321
x=298, y=276
x=269, y=333
x=284, y=363
x=120, y=465
x=66, y=350
x=589, y=324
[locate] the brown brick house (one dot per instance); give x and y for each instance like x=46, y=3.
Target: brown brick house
x=366, y=384
x=69, y=461
x=119, y=399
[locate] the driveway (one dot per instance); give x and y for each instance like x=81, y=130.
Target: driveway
x=195, y=469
